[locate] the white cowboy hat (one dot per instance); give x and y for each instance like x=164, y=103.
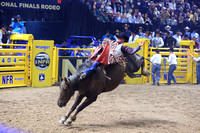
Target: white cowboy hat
x=167, y=27
x=186, y=28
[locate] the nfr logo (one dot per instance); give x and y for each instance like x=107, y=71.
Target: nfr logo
x=7, y=79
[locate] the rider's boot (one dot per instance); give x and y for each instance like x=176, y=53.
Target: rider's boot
x=83, y=75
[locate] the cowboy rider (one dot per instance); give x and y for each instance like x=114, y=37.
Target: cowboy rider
x=104, y=55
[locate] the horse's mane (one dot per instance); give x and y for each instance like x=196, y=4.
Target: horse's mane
x=86, y=64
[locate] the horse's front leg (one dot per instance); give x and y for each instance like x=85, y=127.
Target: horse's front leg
x=87, y=102
x=77, y=102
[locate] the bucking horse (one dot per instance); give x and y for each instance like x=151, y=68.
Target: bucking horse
x=103, y=80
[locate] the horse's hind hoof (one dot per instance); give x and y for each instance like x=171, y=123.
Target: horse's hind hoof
x=68, y=122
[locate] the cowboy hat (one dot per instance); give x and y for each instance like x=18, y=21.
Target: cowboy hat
x=117, y=31
x=186, y=28
x=126, y=25
x=123, y=35
x=167, y=27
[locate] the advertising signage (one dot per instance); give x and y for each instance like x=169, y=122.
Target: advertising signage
x=48, y=5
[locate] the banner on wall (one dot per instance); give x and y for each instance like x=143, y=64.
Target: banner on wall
x=48, y=5
x=68, y=65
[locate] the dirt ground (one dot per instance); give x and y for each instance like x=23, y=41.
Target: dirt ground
x=127, y=109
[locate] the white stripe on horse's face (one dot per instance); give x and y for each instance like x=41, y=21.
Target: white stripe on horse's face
x=63, y=85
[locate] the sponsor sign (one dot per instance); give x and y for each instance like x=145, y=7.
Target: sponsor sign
x=42, y=63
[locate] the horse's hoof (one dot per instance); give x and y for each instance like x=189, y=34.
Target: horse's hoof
x=61, y=121
x=73, y=118
x=68, y=122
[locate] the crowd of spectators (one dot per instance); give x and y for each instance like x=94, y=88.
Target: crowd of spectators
x=183, y=14
x=150, y=12
x=166, y=39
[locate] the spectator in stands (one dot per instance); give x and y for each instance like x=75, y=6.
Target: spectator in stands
x=168, y=28
x=111, y=17
x=172, y=5
x=125, y=9
x=126, y=30
x=172, y=66
x=118, y=18
x=194, y=33
x=108, y=35
x=3, y=35
x=172, y=21
x=10, y=29
x=147, y=20
x=124, y=18
x=133, y=37
x=180, y=20
x=17, y=24
x=118, y=7
x=148, y=36
x=156, y=61
x=187, y=32
x=132, y=19
x=129, y=14
x=140, y=32
x=178, y=38
x=157, y=41
x=164, y=16
x=108, y=8
x=139, y=19
x=187, y=22
x=117, y=32
x=169, y=41
x=185, y=37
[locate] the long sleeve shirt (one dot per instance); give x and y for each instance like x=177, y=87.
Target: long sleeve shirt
x=156, y=59
x=197, y=60
x=17, y=27
x=132, y=39
x=157, y=42
x=172, y=59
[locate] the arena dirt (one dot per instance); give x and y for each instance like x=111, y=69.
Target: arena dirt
x=127, y=109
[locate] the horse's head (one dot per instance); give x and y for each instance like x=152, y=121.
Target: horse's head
x=66, y=92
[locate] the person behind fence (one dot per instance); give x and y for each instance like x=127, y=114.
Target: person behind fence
x=197, y=66
x=172, y=66
x=17, y=24
x=103, y=55
x=157, y=41
x=3, y=35
x=108, y=35
x=156, y=61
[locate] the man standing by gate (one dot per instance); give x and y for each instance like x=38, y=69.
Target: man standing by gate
x=156, y=60
x=172, y=66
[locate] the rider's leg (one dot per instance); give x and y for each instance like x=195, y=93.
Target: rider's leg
x=90, y=70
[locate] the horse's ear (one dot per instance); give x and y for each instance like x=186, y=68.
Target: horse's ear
x=66, y=80
x=61, y=79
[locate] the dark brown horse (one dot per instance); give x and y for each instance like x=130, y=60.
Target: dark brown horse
x=93, y=85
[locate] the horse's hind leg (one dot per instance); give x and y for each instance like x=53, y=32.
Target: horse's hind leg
x=77, y=102
x=87, y=102
x=143, y=70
